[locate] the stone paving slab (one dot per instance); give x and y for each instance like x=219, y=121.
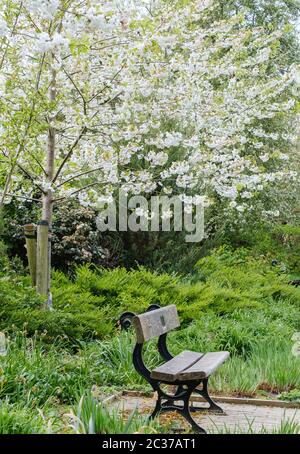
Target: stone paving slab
x=237, y=418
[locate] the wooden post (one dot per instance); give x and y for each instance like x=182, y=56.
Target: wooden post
x=30, y=238
x=3, y=345
x=42, y=268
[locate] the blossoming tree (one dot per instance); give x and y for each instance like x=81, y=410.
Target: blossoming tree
x=154, y=97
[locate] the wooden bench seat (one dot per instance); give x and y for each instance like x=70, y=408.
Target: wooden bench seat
x=189, y=366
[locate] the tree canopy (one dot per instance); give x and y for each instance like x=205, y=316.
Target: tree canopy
x=171, y=97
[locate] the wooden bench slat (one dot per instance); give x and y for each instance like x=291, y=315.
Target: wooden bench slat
x=189, y=366
x=172, y=368
x=204, y=367
x=155, y=323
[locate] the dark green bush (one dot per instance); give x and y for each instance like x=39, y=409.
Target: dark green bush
x=73, y=318
x=75, y=237
x=3, y=257
x=89, y=305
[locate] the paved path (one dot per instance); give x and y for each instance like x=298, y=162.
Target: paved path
x=237, y=418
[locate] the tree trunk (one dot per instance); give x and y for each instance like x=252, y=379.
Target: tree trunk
x=47, y=208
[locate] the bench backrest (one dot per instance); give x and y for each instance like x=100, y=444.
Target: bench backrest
x=155, y=323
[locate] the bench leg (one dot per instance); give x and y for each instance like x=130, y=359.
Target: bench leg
x=186, y=412
x=182, y=394
x=213, y=407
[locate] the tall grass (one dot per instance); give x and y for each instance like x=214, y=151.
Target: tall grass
x=18, y=420
x=92, y=417
x=37, y=376
x=269, y=367
x=114, y=359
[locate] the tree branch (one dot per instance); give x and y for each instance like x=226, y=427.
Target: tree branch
x=76, y=88
x=69, y=154
x=23, y=197
x=106, y=86
x=28, y=174
x=81, y=189
x=87, y=172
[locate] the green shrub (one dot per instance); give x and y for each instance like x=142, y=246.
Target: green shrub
x=240, y=271
x=89, y=305
x=74, y=317
x=281, y=243
x=132, y=288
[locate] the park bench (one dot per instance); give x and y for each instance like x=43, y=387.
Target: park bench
x=188, y=372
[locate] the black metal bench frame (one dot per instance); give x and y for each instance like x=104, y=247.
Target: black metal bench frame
x=184, y=389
